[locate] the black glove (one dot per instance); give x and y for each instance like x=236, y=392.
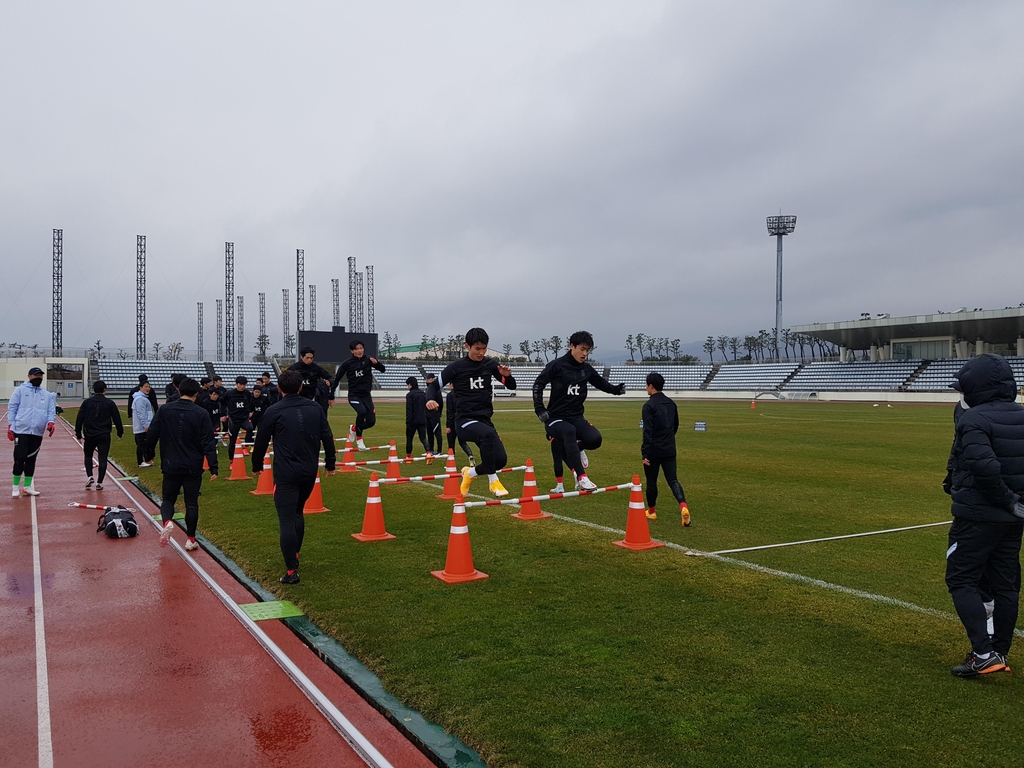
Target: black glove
x=620, y=390
x=947, y=484
x=544, y=416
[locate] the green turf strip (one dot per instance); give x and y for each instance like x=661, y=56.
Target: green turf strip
x=577, y=653
x=272, y=609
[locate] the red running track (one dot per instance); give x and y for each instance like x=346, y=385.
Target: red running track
x=145, y=666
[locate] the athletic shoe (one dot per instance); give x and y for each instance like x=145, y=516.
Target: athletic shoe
x=585, y=484
x=29, y=490
x=584, y=460
x=497, y=489
x=88, y=483
x=351, y=434
x=467, y=481
x=430, y=457
x=1006, y=668
x=360, y=445
x=685, y=512
x=290, y=578
x=99, y=486
x=165, y=534
x=146, y=464
x=16, y=493
x=191, y=544
x=973, y=666
x=408, y=458
x=651, y=514
x=558, y=489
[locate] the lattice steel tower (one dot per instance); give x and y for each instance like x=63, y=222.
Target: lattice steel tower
x=201, y=351
x=140, y=297
x=57, y=340
x=312, y=307
x=300, y=289
x=336, y=296
x=220, y=329
x=286, y=327
x=359, y=302
x=240, y=357
x=229, y=301
x=262, y=340
x=352, y=326
x=369, y=299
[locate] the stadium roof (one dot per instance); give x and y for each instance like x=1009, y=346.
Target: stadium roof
x=995, y=326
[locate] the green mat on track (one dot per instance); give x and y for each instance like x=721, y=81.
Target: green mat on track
x=276, y=609
x=177, y=515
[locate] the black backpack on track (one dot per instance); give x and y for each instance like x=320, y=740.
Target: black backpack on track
x=118, y=523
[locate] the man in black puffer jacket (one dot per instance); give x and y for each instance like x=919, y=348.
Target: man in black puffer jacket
x=987, y=485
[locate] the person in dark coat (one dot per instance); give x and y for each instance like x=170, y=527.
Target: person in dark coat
x=269, y=389
x=450, y=427
x=298, y=427
x=183, y=430
x=358, y=370
x=95, y=419
x=433, y=392
x=415, y=417
x=316, y=382
x=986, y=485
x=660, y=422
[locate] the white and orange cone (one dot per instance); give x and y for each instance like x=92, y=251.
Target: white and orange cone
x=373, y=515
x=394, y=467
x=451, y=483
x=315, y=502
x=265, y=482
x=638, y=533
x=528, y=508
x=458, y=566
x=347, y=457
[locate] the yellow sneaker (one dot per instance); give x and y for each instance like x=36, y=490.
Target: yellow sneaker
x=651, y=514
x=497, y=488
x=685, y=510
x=466, y=482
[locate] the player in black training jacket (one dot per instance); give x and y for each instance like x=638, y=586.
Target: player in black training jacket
x=359, y=371
x=415, y=417
x=312, y=376
x=570, y=434
x=449, y=428
x=434, y=438
x=471, y=379
x=238, y=407
x=660, y=422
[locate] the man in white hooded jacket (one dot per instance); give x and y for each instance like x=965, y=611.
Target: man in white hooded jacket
x=31, y=411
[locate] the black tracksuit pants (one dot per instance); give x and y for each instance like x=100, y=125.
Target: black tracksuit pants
x=172, y=486
x=483, y=433
x=290, y=497
x=567, y=437
x=366, y=416
x=26, y=449
x=667, y=464
x=452, y=437
x=412, y=429
x=98, y=445
x=140, y=448
x=989, y=551
x=234, y=427
x=435, y=438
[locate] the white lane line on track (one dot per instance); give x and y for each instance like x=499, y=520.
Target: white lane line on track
x=829, y=538
x=42, y=675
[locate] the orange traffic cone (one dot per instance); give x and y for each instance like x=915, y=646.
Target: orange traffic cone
x=458, y=566
x=638, y=534
x=265, y=482
x=347, y=457
x=394, y=468
x=529, y=509
x=753, y=404
x=238, y=468
x=452, y=482
x=315, y=502
x=373, y=516
x=206, y=463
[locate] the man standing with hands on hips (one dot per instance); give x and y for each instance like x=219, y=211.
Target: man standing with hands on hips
x=31, y=411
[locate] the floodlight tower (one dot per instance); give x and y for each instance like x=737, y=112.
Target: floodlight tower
x=779, y=227
x=352, y=325
x=359, y=302
x=220, y=329
x=336, y=295
x=240, y=357
x=140, y=297
x=369, y=299
x=199, y=330
x=312, y=307
x=262, y=340
x=229, y=300
x=58, y=293
x=286, y=330
x=300, y=289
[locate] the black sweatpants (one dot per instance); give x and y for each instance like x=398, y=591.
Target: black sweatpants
x=140, y=448
x=567, y=437
x=366, y=415
x=667, y=465
x=990, y=551
x=453, y=437
x=435, y=438
x=412, y=429
x=100, y=445
x=234, y=427
x=172, y=486
x=290, y=497
x=26, y=449
x=483, y=433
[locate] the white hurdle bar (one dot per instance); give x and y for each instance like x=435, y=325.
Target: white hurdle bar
x=424, y=478
x=547, y=496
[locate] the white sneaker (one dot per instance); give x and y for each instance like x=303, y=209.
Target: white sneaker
x=30, y=490
x=585, y=484
x=583, y=458
x=16, y=493
x=88, y=483
x=360, y=445
x=557, y=489
x=165, y=534
x=146, y=464
x=191, y=544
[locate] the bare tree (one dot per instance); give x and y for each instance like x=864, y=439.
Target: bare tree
x=640, y=341
x=723, y=345
x=734, y=345
x=709, y=347
x=675, y=349
x=555, y=342
x=630, y=347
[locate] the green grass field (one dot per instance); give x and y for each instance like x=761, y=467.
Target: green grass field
x=579, y=653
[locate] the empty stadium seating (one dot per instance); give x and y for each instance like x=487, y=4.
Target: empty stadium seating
x=396, y=374
x=853, y=377
x=251, y=371
x=677, y=377
x=752, y=377
x=123, y=375
x=936, y=377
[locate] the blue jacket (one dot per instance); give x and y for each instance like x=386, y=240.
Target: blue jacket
x=31, y=409
x=142, y=412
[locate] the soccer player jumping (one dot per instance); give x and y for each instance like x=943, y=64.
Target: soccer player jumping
x=471, y=379
x=570, y=434
x=359, y=371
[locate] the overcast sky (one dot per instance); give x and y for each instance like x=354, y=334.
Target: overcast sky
x=531, y=167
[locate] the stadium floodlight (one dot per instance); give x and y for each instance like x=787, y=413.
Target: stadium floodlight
x=778, y=227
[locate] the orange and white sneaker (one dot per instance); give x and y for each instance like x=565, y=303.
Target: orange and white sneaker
x=651, y=514
x=467, y=481
x=165, y=534
x=685, y=511
x=191, y=544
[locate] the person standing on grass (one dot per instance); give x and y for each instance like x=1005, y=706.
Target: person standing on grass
x=569, y=433
x=152, y=395
x=269, y=390
x=31, y=412
x=986, y=483
x=142, y=416
x=183, y=430
x=433, y=392
x=298, y=427
x=358, y=369
x=95, y=419
x=415, y=417
x=237, y=404
x=259, y=404
x=660, y=422
x=471, y=380
x=450, y=427
x=316, y=382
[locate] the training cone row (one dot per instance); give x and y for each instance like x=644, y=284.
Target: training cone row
x=315, y=502
x=638, y=534
x=238, y=468
x=348, y=456
x=265, y=483
x=528, y=508
x=394, y=468
x=452, y=482
x=373, y=516
x=458, y=566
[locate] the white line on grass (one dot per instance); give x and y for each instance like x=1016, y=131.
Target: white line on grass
x=42, y=675
x=829, y=538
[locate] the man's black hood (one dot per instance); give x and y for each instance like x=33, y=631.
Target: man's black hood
x=986, y=378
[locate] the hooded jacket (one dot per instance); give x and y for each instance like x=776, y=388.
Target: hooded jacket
x=31, y=409
x=987, y=458
x=415, y=408
x=142, y=412
x=185, y=435
x=298, y=427
x=96, y=417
